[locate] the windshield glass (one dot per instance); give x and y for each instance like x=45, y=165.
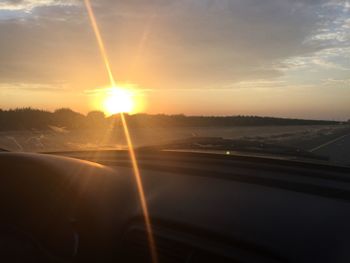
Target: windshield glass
x=271, y=76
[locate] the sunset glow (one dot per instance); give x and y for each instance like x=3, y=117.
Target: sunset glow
x=228, y=67
x=118, y=100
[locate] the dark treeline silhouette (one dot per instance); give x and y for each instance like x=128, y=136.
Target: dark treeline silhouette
x=28, y=118
x=161, y=120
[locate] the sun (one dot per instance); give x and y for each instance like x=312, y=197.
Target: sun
x=118, y=100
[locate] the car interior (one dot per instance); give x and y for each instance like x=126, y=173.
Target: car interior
x=85, y=206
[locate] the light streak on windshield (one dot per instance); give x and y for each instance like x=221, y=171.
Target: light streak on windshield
x=136, y=170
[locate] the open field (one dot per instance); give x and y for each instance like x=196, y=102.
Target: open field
x=306, y=137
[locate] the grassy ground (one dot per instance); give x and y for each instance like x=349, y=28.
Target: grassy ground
x=305, y=137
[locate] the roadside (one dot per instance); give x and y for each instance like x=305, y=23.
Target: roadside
x=312, y=141
x=338, y=150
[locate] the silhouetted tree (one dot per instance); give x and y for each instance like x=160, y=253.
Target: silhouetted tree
x=68, y=118
x=24, y=118
x=96, y=119
x=28, y=118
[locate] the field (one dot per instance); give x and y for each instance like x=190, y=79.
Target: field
x=56, y=139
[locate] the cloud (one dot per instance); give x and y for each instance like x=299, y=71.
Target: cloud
x=335, y=58
x=28, y=5
x=168, y=44
x=342, y=83
x=33, y=87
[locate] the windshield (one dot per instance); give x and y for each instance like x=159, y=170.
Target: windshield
x=270, y=76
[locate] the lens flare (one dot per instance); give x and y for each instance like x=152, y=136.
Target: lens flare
x=99, y=41
x=136, y=170
x=141, y=192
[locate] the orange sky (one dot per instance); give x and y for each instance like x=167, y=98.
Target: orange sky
x=198, y=58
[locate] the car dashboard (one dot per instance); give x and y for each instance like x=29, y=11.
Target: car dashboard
x=86, y=207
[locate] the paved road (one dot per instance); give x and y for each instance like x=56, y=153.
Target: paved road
x=337, y=149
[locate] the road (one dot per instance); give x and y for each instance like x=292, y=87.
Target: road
x=337, y=149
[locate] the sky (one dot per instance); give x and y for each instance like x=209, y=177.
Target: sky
x=287, y=58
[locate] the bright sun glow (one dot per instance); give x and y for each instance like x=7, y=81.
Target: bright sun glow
x=118, y=100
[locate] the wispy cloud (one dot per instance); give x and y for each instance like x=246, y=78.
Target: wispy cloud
x=33, y=87
x=190, y=45
x=28, y=5
x=342, y=83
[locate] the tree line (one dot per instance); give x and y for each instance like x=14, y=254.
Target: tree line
x=29, y=118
